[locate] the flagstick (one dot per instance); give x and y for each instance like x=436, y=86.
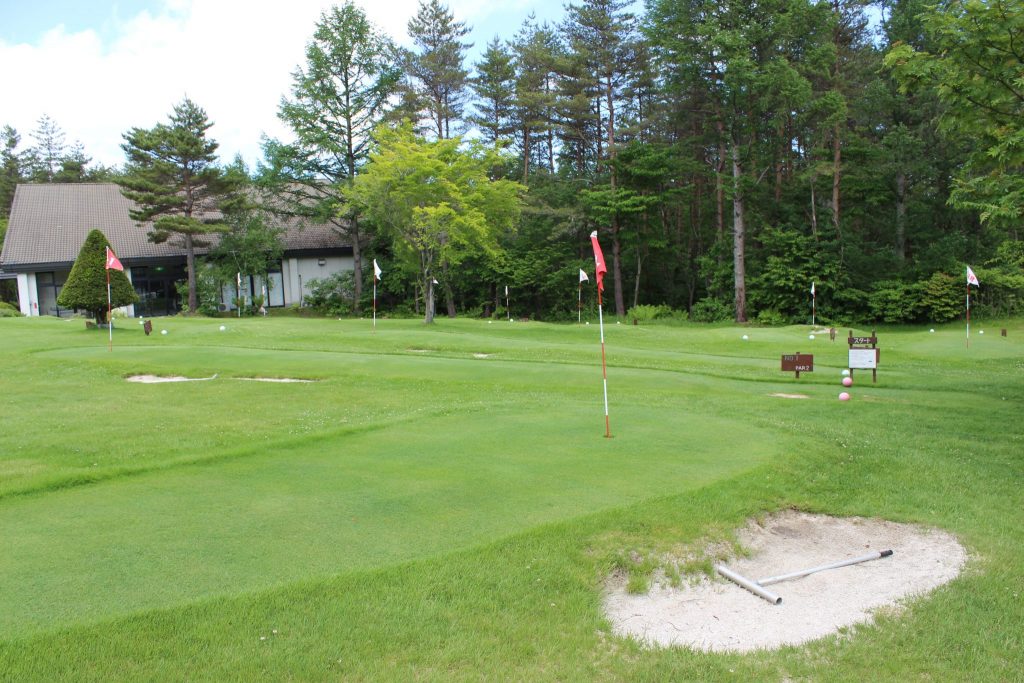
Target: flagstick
x=604, y=369
x=579, y=304
x=813, y=301
x=508, y=308
x=968, y=315
x=110, y=329
x=375, y=304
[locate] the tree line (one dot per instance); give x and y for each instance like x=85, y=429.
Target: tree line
x=728, y=153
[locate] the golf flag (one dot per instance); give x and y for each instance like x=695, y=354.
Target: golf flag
x=812, y=287
x=600, y=269
x=972, y=279
x=376, y=271
x=583, y=276
x=114, y=264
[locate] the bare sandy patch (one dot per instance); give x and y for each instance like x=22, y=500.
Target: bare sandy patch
x=481, y=355
x=275, y=379
x=157, y=379
x=717, y=615
x=790, y=395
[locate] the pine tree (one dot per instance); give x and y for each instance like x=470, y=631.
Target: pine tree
x=48, y=151
x=494, y=87
x=10, y=168
x=173, y=177
x=437, y=67
x=86, y=287
x=342, y=92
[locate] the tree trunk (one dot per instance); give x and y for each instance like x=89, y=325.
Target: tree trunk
x=428, y=286
x=738, y=238
x=901, y=215
x=357, y=265
x=837, y=157
x=190, y=265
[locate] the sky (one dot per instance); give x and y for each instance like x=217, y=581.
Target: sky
x=98, y=69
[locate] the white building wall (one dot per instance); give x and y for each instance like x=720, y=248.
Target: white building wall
x=28, y=295
x=297, y=273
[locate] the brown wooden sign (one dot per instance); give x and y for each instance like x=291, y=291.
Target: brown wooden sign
x=797, y=362
x=861, y=341
x=864, y=354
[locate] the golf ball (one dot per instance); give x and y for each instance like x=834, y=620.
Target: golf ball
x=981, y=331
x=932, y=330
x=163, y=331
x=745, y=337
x=847, y=381
x=843, y=396
x=222, y=328
x=142, y=322
x=810, y=336
x=846, y=373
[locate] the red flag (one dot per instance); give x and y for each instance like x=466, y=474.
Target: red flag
x=112, y=262
x=598, y=261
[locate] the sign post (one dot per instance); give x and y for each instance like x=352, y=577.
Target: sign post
x=797, y=362
x=864, y=354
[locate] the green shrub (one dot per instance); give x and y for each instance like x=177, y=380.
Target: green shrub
x=332, y=295
x=8, y=311
x=771, y=318
x=711, y=310
x=893, y=301
x=942, y=298
x=207, y=292
x=645, y=313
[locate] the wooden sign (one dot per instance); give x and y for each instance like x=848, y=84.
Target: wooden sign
x=798, y=362
x=864, y=354
x=861, y=341
x=863, y=359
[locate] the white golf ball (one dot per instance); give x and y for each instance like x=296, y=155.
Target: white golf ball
x=981, y=331
x=932, y=330
x=846, y=373
x=810, y=336
x=163, y=331
x=222, y=328
x=142, y=322
x=745, y=337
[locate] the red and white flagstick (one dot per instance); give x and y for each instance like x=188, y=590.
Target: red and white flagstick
x=111, y=263
x=601, y=270
x=110, y=328
x=972, y=279
x=376, y=276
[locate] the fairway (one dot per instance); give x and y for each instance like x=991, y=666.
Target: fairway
x=434, y=479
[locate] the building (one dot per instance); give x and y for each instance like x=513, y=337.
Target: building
x=49, y=223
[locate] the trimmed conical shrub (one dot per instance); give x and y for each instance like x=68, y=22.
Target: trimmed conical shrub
x=86, y=288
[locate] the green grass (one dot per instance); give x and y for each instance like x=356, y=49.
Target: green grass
x=441, y=503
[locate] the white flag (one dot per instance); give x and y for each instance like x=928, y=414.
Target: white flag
x=376, y=270
x=506, y=290
x=583, y=276
x=972, y=279
x=812, y=287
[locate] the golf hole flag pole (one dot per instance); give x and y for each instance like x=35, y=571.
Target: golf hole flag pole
x=112, y=264
x=812, y=303
x=579, y=302
x=600, y=269
x=972, y=279
x=376, y=278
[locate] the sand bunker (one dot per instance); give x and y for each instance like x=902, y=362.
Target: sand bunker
x=718, y=615
x=156, y=379
x=790, y=395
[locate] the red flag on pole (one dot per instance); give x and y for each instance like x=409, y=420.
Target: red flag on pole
x=112, y=262
x=600, y=267
x=601, y=270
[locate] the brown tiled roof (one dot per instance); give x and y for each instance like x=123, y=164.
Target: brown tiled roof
x=49, y=223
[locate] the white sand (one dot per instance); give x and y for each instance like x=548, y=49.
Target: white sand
x=718, y=615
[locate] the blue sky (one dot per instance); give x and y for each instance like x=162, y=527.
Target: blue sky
x=99, y=68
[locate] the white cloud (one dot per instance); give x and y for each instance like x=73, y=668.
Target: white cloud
x=233, y=59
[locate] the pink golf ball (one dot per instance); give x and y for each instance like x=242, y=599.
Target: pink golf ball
x=847, y=381
x=844, y=396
